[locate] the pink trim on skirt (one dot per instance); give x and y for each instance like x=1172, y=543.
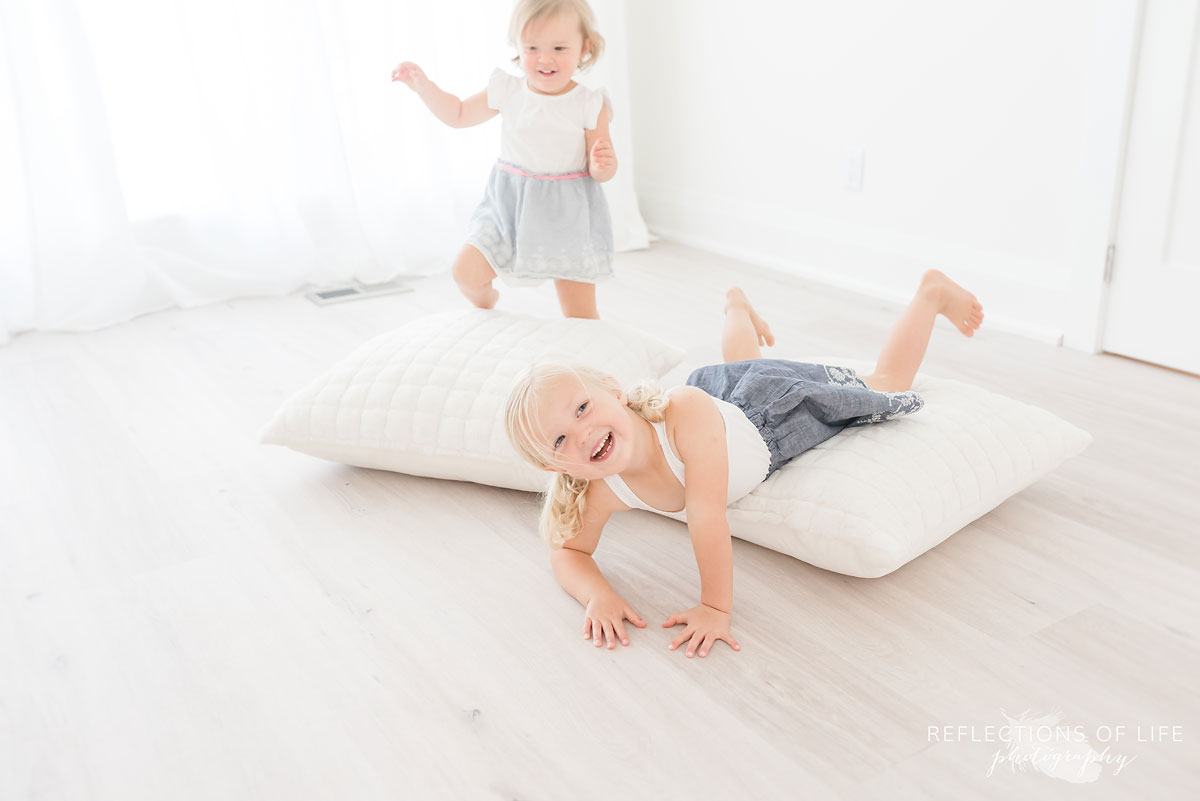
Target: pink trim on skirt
x=515, y=170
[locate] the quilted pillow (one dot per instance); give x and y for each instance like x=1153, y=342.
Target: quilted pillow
x=873, y=498
x=428, y=398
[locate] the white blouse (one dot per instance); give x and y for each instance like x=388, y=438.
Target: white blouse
x=544, y=133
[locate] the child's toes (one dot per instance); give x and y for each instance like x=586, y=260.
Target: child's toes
x=765, y=337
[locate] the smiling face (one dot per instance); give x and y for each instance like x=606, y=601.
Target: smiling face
x=551, y=50
x=588, y=429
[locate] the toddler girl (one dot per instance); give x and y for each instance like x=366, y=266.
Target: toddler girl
x=690, y=452
x=544, y=214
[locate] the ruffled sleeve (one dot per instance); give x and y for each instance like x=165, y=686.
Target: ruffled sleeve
x=596, y=100
x=500, y=87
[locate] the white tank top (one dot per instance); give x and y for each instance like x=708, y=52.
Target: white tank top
x=749, y=460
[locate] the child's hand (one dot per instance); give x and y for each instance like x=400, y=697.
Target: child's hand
x=703, y=626
x=410, y=75
x=604, y=616
x=602, y=161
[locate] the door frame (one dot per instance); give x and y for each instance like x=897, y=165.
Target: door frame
x=1110, y=112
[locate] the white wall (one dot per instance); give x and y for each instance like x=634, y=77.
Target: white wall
x=991, y=134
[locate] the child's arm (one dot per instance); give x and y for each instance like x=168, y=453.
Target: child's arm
x=602, y=161
x=700, y=439
x=577, y=572
x=445, y=106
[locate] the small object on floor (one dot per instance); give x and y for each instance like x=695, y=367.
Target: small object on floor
x=356, y=291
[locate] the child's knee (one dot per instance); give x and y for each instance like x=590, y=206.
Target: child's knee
x=472, y=269
x=882, y=382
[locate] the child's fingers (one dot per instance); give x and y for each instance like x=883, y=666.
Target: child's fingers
x=674, y=620
x=706, y=644
x=732, y=642
x=609, y=635
x=620, y=629
x=681, y=638
x=692, y=645
x=634, y=618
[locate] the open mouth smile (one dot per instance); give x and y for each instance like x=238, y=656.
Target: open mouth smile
x=603, y=449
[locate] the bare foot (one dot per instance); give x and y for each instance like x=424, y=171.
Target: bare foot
x=954, y=303
x=488, y=298
x=736, y=298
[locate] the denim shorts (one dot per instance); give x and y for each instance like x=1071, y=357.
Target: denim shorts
x=796, y=405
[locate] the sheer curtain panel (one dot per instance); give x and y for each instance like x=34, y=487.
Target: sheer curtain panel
x=159, y=153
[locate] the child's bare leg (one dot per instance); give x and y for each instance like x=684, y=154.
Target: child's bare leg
x=577, y=299
x=904, y=349
x=744, y=330
x=474, y=277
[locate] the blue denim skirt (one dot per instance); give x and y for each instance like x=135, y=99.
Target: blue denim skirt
x=796, y=405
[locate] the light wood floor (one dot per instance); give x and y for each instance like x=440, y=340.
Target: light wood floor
x=186, y=614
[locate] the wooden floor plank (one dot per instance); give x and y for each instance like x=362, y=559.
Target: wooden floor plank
x=189, y=614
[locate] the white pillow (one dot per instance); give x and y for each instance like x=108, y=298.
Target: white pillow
x=875, y=497
x=428, y=398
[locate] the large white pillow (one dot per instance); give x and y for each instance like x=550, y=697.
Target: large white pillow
x=428, y=398
x=875, y=497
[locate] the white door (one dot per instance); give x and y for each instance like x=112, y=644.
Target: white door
x=1154, y=296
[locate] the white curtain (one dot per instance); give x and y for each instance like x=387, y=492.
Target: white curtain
x=158, y=153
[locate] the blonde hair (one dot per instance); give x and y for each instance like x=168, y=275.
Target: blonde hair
x=526, y=11
x=566, y=496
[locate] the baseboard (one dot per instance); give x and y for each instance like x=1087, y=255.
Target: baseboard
x=871, y=289
x=876, y=266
